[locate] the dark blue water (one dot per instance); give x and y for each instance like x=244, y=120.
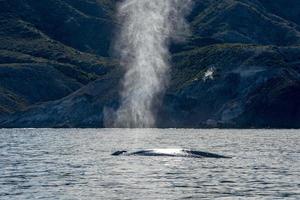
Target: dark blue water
x=77, y=164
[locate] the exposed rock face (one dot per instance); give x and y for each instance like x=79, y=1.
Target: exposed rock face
x=239, y=68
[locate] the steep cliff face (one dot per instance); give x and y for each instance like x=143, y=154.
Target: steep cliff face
x=239, y=68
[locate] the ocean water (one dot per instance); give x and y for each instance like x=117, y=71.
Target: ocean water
x=77, y=164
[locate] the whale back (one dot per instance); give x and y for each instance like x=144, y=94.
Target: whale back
x=170, y=153
x=117, y=153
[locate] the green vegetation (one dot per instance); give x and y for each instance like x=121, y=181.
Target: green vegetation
x=56, y=69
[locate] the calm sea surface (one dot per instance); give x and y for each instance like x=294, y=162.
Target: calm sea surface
x=76, y=164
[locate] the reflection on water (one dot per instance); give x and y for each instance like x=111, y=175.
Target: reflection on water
x=77, y=164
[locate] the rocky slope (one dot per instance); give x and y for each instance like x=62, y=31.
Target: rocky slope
x=47, y=50
x=239, y=68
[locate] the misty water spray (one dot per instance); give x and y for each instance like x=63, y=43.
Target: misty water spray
x=147, y=28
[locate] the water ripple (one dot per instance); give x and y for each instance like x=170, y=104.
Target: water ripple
x=76, y=164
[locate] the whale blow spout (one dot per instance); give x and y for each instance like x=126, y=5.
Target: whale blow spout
x=170, y=153
x=147, y=28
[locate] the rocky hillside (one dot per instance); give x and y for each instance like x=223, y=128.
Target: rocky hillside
x=50, y=49
x=239, y=68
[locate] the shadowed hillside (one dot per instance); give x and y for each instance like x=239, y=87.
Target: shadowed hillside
x=50, y=48
x=239, y=68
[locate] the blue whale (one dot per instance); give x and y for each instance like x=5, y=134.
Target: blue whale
x=170, y=153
